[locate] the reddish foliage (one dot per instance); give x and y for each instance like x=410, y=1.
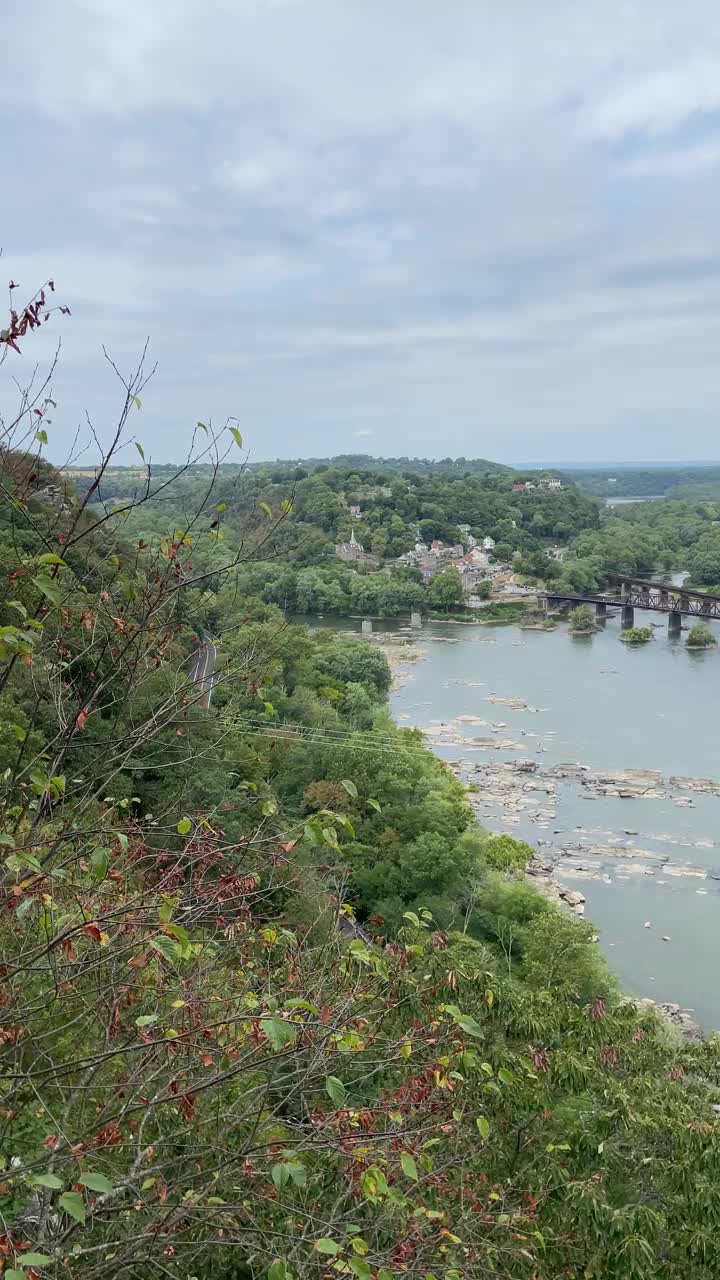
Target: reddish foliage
x=30, y=317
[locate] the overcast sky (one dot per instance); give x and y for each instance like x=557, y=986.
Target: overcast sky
x=407, y=227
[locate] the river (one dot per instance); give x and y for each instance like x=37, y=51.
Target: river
x=600, y=703
x=604, y=704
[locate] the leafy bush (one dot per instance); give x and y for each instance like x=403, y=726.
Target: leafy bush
x=701, y=637
x=582, y=620
x=637, y=635
x=505, y=853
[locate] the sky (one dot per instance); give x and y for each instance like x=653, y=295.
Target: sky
x=392, y=228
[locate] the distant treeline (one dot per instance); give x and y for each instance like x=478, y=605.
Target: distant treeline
x=642, y=483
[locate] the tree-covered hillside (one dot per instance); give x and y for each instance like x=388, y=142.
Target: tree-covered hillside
x=272, y=1006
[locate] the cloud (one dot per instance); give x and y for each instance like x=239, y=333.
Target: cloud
x=469, y=230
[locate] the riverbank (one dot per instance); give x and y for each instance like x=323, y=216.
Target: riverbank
x=602, y=759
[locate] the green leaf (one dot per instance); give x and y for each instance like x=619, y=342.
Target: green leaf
x=41, y=436
x=221, y=506
x=360, y=1268
x=145, y=1020
x=483, y=1127
x=71, y=1202
x=277, y=1270
x=323, y=1245
x=167, y=948
x=264, y=507
x=373, y=804
x=236, y=436
x=298, y=1173
x=35, y=1260
x=50, y=1180
x=201, y=427
x=140, y=450
x=14, y=1274
x=280, y=1174
x=278, y=1032
x=409, y=1167
x=350, y=788
x=50, y=587
x=335, y=1090
x=7, y=839
x=19, y=732
x=136, y=401
x=505, y=1076
x=183, y=826
x=49, y=557
x=95, y=1182
x=99, y=863
x=470, y=1026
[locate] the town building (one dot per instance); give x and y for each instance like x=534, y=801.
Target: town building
x=352, y=550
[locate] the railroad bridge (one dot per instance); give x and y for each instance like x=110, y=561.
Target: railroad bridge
x=629, y=593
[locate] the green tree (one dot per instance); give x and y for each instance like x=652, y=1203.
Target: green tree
x=582, y=620
x=700, y=637
x=446, y=590
x=505, y=853
x=637, y=635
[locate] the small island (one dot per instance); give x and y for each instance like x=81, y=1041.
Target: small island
x=582, y=621
x=700, y=637
x=637, y=635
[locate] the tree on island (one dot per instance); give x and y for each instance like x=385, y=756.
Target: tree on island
x=446, y=590
x=637, y=635
x=582, y=620
x=700, y=637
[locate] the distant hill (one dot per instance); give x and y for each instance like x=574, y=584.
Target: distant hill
x=636, y=482
x=415, y=466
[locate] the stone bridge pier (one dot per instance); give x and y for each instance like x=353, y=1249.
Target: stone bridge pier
x=627, y=617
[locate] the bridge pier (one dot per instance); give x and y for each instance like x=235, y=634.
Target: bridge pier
x=416, y=618
x=674, y=622
x=367, y=626
x=625, y=590
x=628, y=617
x=601, y=609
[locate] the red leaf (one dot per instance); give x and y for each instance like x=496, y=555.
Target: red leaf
x=92, y=931
x=81, y=719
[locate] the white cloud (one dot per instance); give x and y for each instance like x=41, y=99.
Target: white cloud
x=398, y=218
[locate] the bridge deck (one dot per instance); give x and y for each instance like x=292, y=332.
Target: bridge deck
x=647, y=584
x=658, y=600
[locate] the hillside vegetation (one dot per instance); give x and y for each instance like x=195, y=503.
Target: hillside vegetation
x=272, y=1005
